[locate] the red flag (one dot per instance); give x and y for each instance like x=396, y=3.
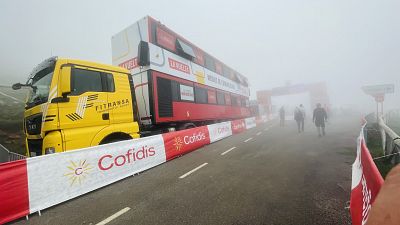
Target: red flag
x=365, y=185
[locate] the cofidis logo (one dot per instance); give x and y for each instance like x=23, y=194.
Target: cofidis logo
x=238, y=126
x=109, y=161
x=180, y=142
x=198, y=136
x=188, y=139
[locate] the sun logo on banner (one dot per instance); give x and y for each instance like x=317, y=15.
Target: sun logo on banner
x=178, y=143
x=77, y=172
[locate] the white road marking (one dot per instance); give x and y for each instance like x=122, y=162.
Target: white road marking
x=248, y=139
x=266, y=128
x=112, y=217
x=193, y=170
x=228, y=150
x=258, y=133
x=16, y=99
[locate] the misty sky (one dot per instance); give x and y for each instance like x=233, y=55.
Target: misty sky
x=343, y=42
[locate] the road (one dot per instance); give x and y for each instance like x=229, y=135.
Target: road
x=267, y=175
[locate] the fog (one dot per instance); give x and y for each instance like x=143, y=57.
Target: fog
x=344, y=43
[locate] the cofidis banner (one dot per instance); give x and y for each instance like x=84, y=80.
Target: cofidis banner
x=365, y=183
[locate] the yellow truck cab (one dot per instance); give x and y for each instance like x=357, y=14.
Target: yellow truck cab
x=74, y=104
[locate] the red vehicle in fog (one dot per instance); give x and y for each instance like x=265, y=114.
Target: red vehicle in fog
x=177, y=85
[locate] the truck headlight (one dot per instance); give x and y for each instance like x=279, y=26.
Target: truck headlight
x=49, y=150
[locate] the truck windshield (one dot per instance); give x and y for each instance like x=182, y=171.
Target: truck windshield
x=40, y=84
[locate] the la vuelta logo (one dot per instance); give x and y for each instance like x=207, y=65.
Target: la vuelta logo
x=133, y=155
x=78, y=171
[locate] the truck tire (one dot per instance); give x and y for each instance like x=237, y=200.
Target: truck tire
x=115, y=137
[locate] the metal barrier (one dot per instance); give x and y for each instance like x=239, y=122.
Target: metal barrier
x=390, y=141
x=7, y=156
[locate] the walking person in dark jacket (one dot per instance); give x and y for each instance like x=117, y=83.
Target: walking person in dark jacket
x=282, y=116
x=299, y=115
x=319, y=118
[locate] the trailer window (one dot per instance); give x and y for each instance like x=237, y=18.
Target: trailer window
x=200, y=95
x=85, y=81
x=226, y=72
x=164, y=94
x=234, y=100
x=175, y=90
x=165, y=39
x=185, y=50
x=220, y=98
x=244, y=102
x=228, y=99
x=187, y=93
x=218, y=67
x=212, y=99
x=199, y=56
x=209, y=63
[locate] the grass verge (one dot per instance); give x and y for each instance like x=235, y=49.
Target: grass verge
x=374, y=145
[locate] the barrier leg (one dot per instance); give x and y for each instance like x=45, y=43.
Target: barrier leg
x=27, y=217
x=40, y=214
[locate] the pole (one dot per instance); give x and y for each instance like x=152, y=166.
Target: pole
x=377, y=111
x=382, y=108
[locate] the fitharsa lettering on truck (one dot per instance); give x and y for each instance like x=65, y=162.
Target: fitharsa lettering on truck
x=108, y=161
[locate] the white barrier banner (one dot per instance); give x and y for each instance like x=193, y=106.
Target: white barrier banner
x=56, y=178
x=219, y=131
x=250, y=122
x=264, y=118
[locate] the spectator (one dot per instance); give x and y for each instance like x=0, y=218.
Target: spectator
x=319, y=118
x=299, y=115
x=282, y=116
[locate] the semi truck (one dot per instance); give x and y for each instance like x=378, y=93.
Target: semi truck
x=159, y=82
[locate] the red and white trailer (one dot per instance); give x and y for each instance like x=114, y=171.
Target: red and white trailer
x=177, y=85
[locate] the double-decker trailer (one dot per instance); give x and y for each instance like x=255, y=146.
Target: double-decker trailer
x=177, y=84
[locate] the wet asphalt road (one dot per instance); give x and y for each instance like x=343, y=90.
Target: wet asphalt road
x=277, y=177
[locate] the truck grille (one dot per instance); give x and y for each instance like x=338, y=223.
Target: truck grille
x=33, y=124
x=35, y=147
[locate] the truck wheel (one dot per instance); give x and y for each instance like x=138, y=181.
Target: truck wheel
x=115, y=138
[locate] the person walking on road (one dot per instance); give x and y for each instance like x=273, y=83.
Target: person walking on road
x=299, y=115
x=282, y=116
x=319, y=118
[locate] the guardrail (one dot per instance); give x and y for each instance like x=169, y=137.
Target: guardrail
x=8, y=156
x=390, y=141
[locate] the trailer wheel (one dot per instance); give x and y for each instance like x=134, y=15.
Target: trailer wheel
x=186, y=126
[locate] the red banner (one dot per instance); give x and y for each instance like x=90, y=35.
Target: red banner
x=129, y=64
x=14, y=197
x=180, y=142
x=238, y=126
x=366, y=183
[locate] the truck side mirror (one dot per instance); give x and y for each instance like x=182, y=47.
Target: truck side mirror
x=16, y=86
x=65, y=81
x=143, y=54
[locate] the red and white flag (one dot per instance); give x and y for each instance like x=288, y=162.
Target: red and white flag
x=365, y=183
